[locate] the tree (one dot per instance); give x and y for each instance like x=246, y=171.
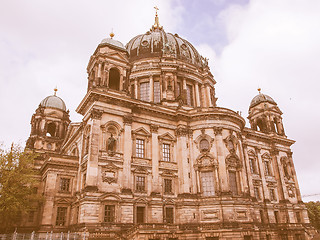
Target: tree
x=17, y=185
x=314, y=213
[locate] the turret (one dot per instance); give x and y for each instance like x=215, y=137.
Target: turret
x=265, y=115
x=49, y=124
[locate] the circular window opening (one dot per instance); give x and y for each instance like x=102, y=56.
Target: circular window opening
x=204, y=145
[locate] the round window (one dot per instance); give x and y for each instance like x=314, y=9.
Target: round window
x=204, y=145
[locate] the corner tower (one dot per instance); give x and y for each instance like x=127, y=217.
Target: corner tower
x=265, y=115
x=49, y=124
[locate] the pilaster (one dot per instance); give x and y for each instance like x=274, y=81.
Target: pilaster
x=127, y=152
x=155, y=159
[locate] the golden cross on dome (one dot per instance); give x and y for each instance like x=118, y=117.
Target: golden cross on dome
x=156, y=8
x=156, y=24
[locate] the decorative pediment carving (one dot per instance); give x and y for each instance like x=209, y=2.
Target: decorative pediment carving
x=251, y=153
x=233, y=161
x=266, y=155
x=167, y=136
x=140, y=169
x=231, y=142
x=141, y=131
x=206, y=161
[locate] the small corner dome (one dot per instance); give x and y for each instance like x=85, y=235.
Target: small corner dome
x=53, y=102
x=113, y=43
x=261, y=98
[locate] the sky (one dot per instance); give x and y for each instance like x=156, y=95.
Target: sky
x=274, y=45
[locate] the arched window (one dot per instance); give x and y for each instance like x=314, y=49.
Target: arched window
x=51, y=130
x=261, y=126
x=114, y=79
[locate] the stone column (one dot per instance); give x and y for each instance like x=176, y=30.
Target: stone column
x=208, y=96
x=184, y=90
x=279, y=174
x=197, y=94
x=151, y=88
x=127, y=152
x=244, y=180
x=136, y=88
x=265, y=189
x=203, y=94
x=155, y=159
x=224, y=187
x=99, y=74
x=183, y=168
x=121, y=81
x=294, y=176
x=248, y=170
x=48, y=206
x=93, y=153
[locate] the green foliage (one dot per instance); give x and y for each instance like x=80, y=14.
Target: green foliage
x=314, y=213
x=17, y=185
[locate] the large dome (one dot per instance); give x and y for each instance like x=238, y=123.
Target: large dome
x=53, y=102
x=157, y=42
x=261, y=98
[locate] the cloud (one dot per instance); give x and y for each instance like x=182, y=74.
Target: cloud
x=44, y=44
x=275, y=45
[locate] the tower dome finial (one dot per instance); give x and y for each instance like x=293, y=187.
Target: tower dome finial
x=156, y=24
x=55, y=91
x=259, y=90
x=111, y=34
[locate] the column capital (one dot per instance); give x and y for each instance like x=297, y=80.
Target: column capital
x=217, y=130
x=96, y=114
x=154, y=128
x=127, y=120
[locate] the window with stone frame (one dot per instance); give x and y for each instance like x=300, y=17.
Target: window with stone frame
x=140, y=148
x=267, y=168
x=178, y=88
x=233, y=182
x=61, y=216
x=298, y=216
x=140, y=183
x=256, y=190
x=189, y=95
x=144, y=91
x=276, y=216
x=156, y=92
x=109, y=213
x=272, y=194
x=253, y=166
x=140, y=214
x=169, y=215
x=166, y=152
x=65, y=184
x=207, y=183
x=283, y=236
x=167, y=185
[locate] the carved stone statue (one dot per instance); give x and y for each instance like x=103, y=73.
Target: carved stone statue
x=111, y=143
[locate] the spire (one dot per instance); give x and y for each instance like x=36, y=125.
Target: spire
x=259, y=90
x=111, y=34
x=156, y=24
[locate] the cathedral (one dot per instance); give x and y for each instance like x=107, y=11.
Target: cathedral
x=154, y=157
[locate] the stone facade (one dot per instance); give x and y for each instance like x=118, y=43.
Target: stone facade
x=155, y=158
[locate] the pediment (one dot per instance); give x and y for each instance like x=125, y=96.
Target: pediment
x=251, y=153
x=62, y=201
x=266, y=155
x=118, y=56
x=167, y=136
x=141, y=131
x=110, y=197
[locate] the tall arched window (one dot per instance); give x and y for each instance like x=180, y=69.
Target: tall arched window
x=114, y=79
x=51, y=129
